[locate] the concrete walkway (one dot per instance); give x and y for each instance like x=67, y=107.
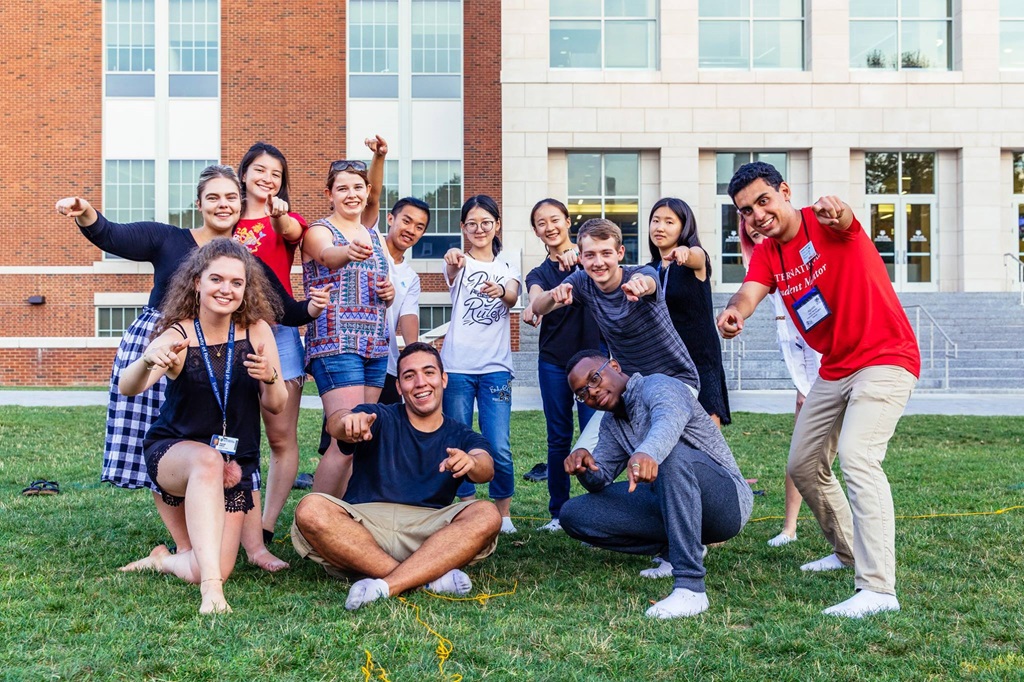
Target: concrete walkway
x=528, y=398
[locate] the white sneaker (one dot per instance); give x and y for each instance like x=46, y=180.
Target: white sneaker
x=828, y=563
x=552, y=526
x=864, y=603
x=682, y=603
x=507, y=527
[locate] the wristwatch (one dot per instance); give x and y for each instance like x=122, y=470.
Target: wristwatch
x=273, y=379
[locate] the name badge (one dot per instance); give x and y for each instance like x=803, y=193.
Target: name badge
x=811, y=309
x=807, y=252
x=225, y=445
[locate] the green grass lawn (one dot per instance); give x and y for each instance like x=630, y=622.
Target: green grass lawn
x=576, y=613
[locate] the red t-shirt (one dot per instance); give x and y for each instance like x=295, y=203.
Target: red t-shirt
x=258, y=235
x=867, y=326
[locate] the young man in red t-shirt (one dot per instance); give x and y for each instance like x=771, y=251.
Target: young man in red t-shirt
x=837, y=290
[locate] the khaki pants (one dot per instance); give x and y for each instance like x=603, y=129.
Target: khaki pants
x=853, y=418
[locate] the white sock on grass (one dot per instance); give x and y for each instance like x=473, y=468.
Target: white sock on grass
x=829, y=563
x=662, y=569
x=864, y=603
x=507, y=526
x=782, y=539
x=682, y=603
x=452, y=582
x=365, y=591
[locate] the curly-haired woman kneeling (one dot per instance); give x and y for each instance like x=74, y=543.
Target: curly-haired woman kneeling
x=217, y=349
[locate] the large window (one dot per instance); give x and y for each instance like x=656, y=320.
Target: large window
x=902, y=207
x=181, y=193
x=439, y=183
x=111, y=321
x=130, y=47
x=373, y=48
x=389, y=194
x=194, y=30
x=607, y=186
x=437, y=49
x=1011, y=34
x=129, y=190
x=901, y=34
x=726, y=164
x=604, y=34
x=751, y=34
x=433, y=316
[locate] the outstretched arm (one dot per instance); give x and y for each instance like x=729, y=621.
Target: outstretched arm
x=375, y=178
x=741, y=306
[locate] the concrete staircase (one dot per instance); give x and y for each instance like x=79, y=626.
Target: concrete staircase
x=986, y=328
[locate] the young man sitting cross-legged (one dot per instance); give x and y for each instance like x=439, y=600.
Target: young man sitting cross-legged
x=397, y=524
x=683, y=487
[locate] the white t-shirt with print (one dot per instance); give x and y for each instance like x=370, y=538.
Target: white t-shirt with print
x=479, y=338
x=407, y=302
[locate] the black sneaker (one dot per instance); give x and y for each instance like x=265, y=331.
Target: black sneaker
x=539, y=472
x=303, y=482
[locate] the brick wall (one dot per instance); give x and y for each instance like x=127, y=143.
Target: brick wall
x=50, y=77
x=283, y=82
x=69, y=309
x=56, y=366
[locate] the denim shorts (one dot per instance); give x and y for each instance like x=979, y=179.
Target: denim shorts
x=289, y=348
x=347, y=369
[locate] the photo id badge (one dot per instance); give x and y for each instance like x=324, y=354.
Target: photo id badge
x=807, y=252
x=225, y=445
x=811, y=309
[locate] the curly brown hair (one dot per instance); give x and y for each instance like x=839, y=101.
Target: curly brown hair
x=259, y=302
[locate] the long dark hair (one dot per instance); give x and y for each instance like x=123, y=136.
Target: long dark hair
x=491, y=206
x=688, y=225
x=256, y=151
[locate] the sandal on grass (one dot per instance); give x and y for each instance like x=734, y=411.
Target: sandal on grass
x=41, y=487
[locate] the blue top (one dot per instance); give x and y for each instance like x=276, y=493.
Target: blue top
x=400, y=464
x=639, y=333
x=565, y=331
x=167, y=247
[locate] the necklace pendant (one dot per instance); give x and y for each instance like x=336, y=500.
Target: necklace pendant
x=218, y=353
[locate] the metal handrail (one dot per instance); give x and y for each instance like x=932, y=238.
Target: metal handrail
x=1020, y=272
x=933, y=326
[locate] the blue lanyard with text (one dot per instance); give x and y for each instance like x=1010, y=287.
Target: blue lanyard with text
x=227, y=372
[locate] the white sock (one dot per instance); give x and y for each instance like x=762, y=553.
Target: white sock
x=662, y=569
x=782, y=539
x=452, y=582
x=829, y=563
x=507, y=526
x=864, y=603
x=365, y=591
x=552, y=526
x=682, y=603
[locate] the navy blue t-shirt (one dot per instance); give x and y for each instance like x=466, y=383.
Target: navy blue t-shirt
x=400, y=464
x=565, y=331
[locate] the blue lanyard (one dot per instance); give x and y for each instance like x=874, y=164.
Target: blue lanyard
x=227, y=372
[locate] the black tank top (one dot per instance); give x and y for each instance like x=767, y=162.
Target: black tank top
x=190, y=409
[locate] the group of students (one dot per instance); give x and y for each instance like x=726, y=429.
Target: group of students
x=196, y=434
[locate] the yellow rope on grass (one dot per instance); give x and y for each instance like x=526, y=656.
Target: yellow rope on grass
x=371, y=667
x=908, y=516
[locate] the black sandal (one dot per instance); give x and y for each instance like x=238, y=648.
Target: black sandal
x=41, y=487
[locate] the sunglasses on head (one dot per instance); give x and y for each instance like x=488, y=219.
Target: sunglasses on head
x=344, y=165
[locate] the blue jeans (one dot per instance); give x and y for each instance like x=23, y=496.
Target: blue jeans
x=493, y=395
x=558, y=400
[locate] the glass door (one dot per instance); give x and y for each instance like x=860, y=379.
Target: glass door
x=902, y=228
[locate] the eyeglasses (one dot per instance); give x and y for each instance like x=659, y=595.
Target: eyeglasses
x=593, y=382
x=344, y=165
x=482, y=226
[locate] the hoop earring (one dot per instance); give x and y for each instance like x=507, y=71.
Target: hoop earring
x=241, y=308
x=197, y=299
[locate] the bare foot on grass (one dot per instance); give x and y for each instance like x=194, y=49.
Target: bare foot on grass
x=212, y=590
x=154, y=562
x=267, y=561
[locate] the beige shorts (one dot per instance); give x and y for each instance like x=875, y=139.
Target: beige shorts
x=398, y=529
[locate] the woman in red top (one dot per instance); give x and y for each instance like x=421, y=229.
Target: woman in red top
x=272, y=233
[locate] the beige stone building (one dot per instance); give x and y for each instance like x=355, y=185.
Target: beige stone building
x=912, y=110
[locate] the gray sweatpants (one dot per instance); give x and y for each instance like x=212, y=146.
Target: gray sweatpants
x=693, y=502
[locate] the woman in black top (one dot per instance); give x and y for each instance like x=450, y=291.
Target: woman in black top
x=562, y=333
x=218, y=198
x=217, y=349
x=684, y=268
